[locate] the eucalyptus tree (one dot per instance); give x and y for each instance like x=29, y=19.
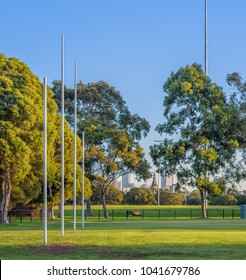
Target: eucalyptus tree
x=238, y=100
x=112, y=134
x=200, y=128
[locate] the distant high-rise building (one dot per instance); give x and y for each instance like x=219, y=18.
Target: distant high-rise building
x=117, y=184
x=128, y=181
x=167, y=182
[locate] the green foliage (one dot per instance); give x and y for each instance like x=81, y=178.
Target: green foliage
x=113, y=195
x=112, y=133
x=204, y=125
x=193, y=199
x=21, y=140
x=21, y=118
x=238, y=101
x=138, y=196
x=225, y=199
x=170, y=198
x=241, y=199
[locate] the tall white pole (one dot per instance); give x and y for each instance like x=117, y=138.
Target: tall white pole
x=158, y=187
x=75, y=147
x=62, y=135
x=206, y=37
x=206, y=67
x=45, y=162
x=83, y=180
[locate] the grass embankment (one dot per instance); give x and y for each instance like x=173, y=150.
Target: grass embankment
x=141, y=239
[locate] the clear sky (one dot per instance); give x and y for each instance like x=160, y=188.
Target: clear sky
x=133, y=45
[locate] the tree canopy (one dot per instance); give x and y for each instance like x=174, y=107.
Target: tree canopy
x=112, y=133
x=21, y=133
x=21, y=139
x=138, y=196
x=201, y=123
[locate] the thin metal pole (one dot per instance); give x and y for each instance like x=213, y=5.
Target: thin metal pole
x=206, y=37
x=158, y=187
x=83, y=180
x=75, y=147
x=45, y=162
x=206, y=67
x=62, y=135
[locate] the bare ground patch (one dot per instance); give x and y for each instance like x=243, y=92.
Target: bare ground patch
x=100, y=251
x=61, y=249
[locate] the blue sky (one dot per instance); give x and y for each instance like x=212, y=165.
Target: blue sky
x=133, y=45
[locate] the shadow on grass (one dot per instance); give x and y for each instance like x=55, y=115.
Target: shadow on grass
x=92, y=252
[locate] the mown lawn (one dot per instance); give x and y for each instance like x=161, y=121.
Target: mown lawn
x=166, y=239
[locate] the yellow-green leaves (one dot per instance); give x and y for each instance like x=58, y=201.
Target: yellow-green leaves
x=5, y=83
x=181, y=150
x=205, y=184
x=208, y=154
x=187, y=87
x=233, y=143
x=216, y=108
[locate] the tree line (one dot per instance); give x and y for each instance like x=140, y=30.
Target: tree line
x=112, y=138
x=206, y=126
x=144, y=196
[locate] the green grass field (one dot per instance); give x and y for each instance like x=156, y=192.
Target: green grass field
x=216, y=238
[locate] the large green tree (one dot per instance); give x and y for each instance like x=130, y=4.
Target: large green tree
x=54, y=165
x=112, y=134
x=238, y=100
x=21, y=140
x=20, y=134
x=201, y=126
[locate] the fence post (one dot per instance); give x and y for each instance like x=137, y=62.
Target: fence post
x=143, y=214
x=174, y=213
x=190, y=213
x=112, y=215
x=159, y=214
x=232, y=214
x=127, y=214
x=98, y=215
x=223, y=213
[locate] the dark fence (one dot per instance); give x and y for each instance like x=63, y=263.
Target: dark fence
x=162, y=214
x=21, y=216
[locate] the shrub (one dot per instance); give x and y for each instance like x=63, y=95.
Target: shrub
x=194, y=199
x=225, y=199
x=170, y=198
x=241, y=199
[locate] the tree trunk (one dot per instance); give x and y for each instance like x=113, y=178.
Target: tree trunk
x=204, y=204
x=50, y=212
x=105, y=212
x=60, y=210
x=88, y=208
x=6, y=190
